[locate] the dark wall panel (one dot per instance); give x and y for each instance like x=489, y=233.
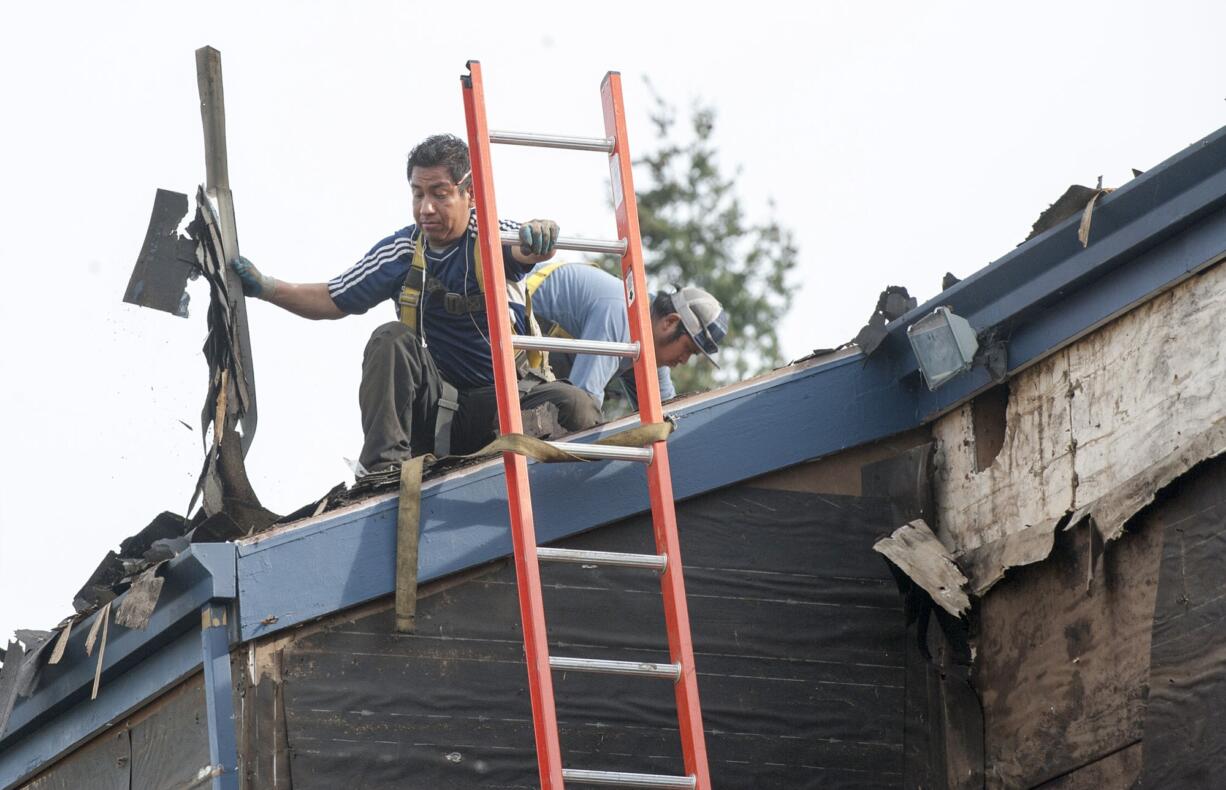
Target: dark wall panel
x=799, y=639
x=1063, y=657
x=161, y=747
x=1185, y=724
x=102, y=764
x=171, y=744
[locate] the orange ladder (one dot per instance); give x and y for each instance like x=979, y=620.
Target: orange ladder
x=503, y=345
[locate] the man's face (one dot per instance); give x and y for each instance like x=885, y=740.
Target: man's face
x=440, y=207
x=673, y=345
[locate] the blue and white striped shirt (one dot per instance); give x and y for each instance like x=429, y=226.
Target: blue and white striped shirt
x=458, y=344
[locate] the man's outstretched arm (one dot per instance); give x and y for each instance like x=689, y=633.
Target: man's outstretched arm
x=309, y=300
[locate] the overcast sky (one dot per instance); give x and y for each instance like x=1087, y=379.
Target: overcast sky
x=898, y=140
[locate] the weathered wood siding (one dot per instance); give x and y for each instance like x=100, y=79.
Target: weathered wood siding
x=1089, y=417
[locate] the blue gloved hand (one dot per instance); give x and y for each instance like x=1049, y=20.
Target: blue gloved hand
x=538, y=236
x=255, y=284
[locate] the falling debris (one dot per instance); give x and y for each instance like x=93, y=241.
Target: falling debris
x=166, y=260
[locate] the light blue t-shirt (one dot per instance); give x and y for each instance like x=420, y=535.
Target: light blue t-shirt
x=589, y=303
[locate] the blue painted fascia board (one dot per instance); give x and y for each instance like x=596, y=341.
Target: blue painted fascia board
x=1080, y=311
x=205, y=572
x=725, y=437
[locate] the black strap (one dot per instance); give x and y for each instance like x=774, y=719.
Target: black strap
x=448, y=405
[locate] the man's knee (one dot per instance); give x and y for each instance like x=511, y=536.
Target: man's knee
x=389, y=336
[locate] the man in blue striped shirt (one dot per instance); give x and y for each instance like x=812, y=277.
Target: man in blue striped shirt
x=436, y=360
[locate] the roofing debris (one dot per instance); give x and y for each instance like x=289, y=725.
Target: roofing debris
x=1072, y=202
x=229, y=506
x=1077, y=199
x=166, y=261
x=893, y=303
x=917, y=552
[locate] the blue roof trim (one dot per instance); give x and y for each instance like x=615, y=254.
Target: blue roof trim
x=1168, y=200
x=1083, y=310
x=751, y=430
x=205, y=572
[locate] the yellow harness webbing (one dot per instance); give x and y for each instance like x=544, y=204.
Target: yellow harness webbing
x=415, y=282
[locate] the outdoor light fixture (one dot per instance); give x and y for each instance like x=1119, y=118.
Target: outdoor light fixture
x=944, y=344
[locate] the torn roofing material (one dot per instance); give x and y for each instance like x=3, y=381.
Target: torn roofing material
x=231, y=508
x=166, y=261
x=917, y=552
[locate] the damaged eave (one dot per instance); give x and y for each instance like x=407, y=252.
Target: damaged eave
x=922, y=558
x=1146, y=236
x=137, y=664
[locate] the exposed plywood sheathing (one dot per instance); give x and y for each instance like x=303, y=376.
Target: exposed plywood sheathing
x=1088, y=419
x=917, y=552
x=1031, y=479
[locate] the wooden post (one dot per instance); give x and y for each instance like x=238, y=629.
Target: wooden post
x=217, y=188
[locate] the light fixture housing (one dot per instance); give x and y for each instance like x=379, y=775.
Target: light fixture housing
x=944, y=344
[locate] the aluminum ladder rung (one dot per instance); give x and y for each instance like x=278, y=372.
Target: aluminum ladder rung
x=655, y=562
x=623, y=779
x=565, y=142
x=645, y=669
x=605, y=452
x=566, y=345
x=616, y=247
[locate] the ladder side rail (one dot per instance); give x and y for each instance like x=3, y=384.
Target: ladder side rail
x=659, y=478
x=519, y=498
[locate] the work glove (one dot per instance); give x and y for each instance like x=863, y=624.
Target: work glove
x=538, y=236
x=255, y=284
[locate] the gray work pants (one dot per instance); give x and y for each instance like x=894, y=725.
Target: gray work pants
x=399, y=398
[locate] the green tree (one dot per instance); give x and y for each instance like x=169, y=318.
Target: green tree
x=695, y=232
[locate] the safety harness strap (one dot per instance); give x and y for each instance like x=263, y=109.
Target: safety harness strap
x=448, y=405
x=418, y=282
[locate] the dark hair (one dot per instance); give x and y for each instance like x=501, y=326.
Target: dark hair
x=441, y=149
x=661, y=306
